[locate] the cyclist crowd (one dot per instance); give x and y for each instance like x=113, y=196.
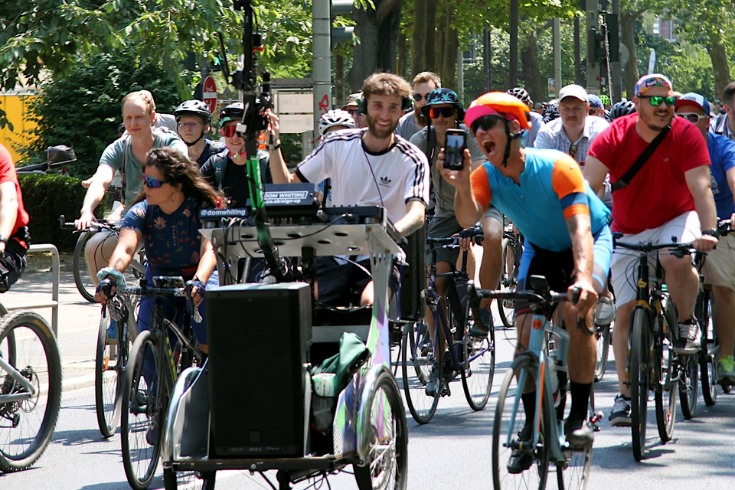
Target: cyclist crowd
x=567, y=174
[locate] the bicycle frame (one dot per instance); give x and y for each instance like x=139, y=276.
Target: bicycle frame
x=21, y=380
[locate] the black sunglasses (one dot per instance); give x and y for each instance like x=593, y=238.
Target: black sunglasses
x=572, y=150
x=441, y=111
x=485, y=122
x=418, y=97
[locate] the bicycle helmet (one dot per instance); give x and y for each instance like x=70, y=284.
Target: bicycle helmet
x=551, y=113
x=605, y=99
x=521, y=94
x=232, y=112
x=505, y=105
x=193, y=108
x=622, y=108
x=336, y=117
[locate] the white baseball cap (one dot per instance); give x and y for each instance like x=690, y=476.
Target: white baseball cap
x=572, y=90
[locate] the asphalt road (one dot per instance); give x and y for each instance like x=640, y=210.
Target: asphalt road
x=452, y=451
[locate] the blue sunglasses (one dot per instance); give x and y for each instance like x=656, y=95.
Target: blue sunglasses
x=152, y=182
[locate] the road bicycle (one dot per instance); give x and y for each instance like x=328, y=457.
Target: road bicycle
x=30, y=388
x=652, y=364
x=471, y=357
x=82, y=276
x=537, y=365
x=512, y=251
x=144, y=401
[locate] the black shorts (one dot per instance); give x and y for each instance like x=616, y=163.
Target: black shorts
x=556, y=267
x=341, y=283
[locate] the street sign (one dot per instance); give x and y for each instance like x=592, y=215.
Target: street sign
x=209, y=94
x=295, y=103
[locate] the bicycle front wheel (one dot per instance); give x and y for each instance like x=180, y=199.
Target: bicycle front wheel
x=478, y=367
x=108, y=375
x=26, y=425
x=82, y=277
x=666, y=388
x=416, y=362
x=508, y=277
x=510, y=418
x=640, y=376
x=602, y=336
x=141, y=417
x=708, y=351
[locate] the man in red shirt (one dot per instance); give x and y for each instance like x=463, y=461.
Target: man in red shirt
x=14, y=236
x=669, y=196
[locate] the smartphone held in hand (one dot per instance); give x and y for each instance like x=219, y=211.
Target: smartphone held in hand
x=454, y=149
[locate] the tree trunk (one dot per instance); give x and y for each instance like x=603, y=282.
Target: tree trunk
x=419, y=37
x=339, y=78
x=513, y=71
x=430, y=62
x=451, y=48
x=440, y=35
x=578, y=54
x=378, y=32
x=718, y=54
x=402, y=55
x=531, y=72
x=627, y=37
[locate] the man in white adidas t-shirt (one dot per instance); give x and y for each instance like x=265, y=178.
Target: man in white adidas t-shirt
x=366, y=167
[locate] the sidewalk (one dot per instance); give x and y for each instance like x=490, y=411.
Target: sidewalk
x=78, y=319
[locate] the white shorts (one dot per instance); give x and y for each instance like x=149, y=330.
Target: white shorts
x=719, y=267
x=624, y=264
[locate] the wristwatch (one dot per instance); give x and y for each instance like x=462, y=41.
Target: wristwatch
x=3, y=239
x=275, y=147
x=712, y=232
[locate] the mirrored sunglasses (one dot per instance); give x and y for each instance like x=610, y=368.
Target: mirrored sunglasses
x=229, y=131
x=152, y=182
x=656, y=100
x=441, y=111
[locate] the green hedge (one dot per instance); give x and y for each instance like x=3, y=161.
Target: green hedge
x=45, y=198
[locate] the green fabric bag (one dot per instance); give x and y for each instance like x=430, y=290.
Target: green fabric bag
x=352, y=354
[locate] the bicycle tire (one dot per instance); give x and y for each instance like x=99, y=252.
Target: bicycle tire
x=478, y=367
x=508, y=276
x=689, y=367
x=574, y=472
x=137, y=453
x=387, y=459
x=602, y=336
x=640, y=377
x=191, y=480
x=708, y=350
x=416, y=363
x=110, y=361
x=18, y=448
x=666, y=387
x=533, y=477
x=82, y=277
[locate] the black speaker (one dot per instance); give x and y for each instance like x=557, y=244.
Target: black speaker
x=258, y=340
x=413, y=276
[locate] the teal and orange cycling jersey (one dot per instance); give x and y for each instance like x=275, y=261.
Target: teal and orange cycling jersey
x=551, y=189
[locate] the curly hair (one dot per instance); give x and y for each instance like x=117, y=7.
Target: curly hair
x=176, y=168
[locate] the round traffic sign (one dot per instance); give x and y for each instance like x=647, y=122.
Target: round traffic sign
x=209, y=94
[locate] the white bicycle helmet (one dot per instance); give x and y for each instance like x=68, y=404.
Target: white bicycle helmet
x=336, y=117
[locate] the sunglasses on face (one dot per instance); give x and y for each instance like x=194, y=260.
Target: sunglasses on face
x=441, y=111
x=656, y=100
x=152, y=182
x=691, y=117
x=418, y=97
x=485, y=122
x=229, y=131
x=572, y=150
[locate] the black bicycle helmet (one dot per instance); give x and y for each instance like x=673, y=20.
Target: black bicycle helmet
x=193, y=108
x=232, y=112
x=551, y=113
x=521, y=94
x=622, y=108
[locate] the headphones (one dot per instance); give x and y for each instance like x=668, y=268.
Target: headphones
x=406, y=104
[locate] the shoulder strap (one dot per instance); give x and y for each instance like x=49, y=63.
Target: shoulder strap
x=430, y=144
x=124, y=166
x=642, y=159
x=220, y=163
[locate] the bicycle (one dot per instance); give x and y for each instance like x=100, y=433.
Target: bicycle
x=652, y=363
x=146, y=406
x=82, y=277
x=472, y=357
x=604, y=318
x=547, y=443
x=30, y=388
x=512, y=251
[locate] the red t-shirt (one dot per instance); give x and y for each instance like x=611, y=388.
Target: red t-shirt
x=658, y=193
x=7, y=174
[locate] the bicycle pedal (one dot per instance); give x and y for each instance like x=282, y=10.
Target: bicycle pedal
x=445, y=391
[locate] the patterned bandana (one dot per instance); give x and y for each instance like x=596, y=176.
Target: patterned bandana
x=647, y=82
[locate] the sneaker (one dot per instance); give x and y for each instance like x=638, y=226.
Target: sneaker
x=433, y=380
x=522, y=459
x=689, y=338
x=579, y=433
x=620, y=415
x=151, y=435
x=481, y=326
x=112, y=333
x=726, y=371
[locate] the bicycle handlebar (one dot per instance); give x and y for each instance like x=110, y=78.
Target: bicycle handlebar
x=96, y=226
x=145, y=290
x=474, y=232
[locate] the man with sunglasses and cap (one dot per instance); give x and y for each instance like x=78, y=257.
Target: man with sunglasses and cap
x=669, y=196
x=719, y=268
x=413, y=121
x=567, y=240
x=352, y=107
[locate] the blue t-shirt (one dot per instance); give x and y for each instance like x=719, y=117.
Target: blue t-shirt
x=172, y=242
x=551, y=189
x=722, y=155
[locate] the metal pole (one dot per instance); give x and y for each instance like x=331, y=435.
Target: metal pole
x=556, y=34
x=487, y=54
x=616, y=68
x=593, y=67
x=322, y=58
x=460, y=73
x=513, y=73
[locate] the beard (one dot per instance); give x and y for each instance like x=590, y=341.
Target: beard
x=650, y=120
x=378, y=133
